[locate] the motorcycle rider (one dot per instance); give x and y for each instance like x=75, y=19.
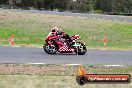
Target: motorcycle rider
x=58, y=32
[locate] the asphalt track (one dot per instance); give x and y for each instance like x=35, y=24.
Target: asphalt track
x=24, y=55
x=100, y=16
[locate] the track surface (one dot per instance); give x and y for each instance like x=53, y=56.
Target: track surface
x=37, y=55
x=100, y=16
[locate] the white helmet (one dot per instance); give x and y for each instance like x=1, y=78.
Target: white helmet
x=55, y=29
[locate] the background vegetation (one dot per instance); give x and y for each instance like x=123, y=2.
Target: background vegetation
x=91, y=6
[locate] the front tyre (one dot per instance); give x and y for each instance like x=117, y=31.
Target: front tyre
x=80, y=50
x=50, y=49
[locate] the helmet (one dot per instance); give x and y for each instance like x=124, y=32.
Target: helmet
x=56, y=29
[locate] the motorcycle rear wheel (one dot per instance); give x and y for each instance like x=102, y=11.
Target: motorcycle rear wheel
x=49, y=49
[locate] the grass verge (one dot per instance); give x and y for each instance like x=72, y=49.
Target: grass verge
x=32, y=28
x=53, y=76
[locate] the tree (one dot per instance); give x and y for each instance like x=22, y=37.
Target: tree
x=82, y=5
x=14, y=2
x=114, y=6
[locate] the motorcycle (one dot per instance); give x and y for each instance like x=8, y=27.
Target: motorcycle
x=54, y=44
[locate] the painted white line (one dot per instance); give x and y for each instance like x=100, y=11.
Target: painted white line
x=36, y=63
x=73, y=64
x=127, y=50
x=114, y=65
x=5, y=45
x=15, y=46
x=114, y=50
x=39, y=47
x=102, y=49
x=10, y=46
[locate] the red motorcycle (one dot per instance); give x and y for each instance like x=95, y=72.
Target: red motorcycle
x=56, y=44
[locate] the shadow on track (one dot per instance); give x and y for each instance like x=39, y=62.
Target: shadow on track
x=66, y=54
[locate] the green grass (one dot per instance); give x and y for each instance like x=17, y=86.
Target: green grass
x=32, y=28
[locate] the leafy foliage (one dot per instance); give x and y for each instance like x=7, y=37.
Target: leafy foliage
x=108, y=6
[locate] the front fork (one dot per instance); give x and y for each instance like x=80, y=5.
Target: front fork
x=78, y=45
x=49, y=42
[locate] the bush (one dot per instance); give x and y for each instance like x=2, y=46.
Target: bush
x=98, y=11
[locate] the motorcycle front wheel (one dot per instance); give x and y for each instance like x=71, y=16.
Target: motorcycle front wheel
x=50, y=49
x=81, y=50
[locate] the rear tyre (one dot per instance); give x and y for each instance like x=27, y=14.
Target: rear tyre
x=50, y=49
x=81, y=50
